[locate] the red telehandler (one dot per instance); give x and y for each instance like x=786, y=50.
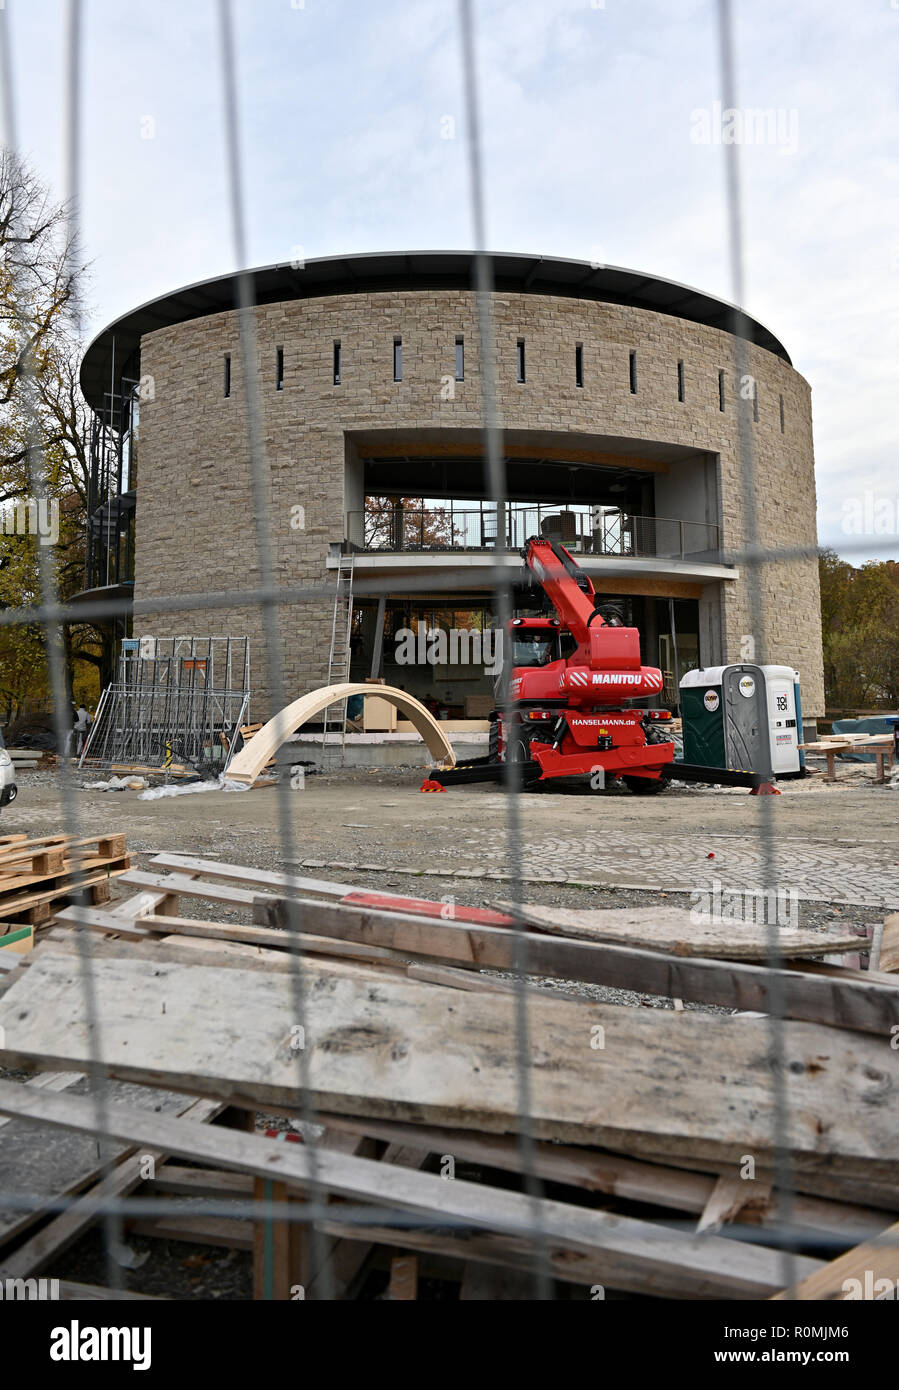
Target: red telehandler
x=574, y=681
x=570, y=691
x=573, y=678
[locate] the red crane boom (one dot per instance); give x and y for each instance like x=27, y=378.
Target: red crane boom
x=571, y=676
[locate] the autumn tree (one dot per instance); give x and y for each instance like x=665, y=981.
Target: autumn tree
x=67, y=455
x=37, y=287
x=860, y=630
x=43, y=429
x=406, y=523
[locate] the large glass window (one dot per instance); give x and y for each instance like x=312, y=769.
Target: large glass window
x=534, y=647
x=130, y=429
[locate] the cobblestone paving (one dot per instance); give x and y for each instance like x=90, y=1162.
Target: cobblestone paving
x=817, y=870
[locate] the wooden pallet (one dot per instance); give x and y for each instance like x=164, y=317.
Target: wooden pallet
x=36, y=873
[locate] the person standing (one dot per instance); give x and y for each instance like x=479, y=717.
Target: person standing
x=82, y=724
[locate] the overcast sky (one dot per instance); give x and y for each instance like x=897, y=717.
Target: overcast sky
x=592, y=150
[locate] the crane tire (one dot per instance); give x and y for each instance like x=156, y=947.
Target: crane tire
x=645, y=786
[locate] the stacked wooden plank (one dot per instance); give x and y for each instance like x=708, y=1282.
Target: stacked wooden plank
x=655, y=1131
x=846, y=742
x=25, y=759
x=36, y=874
x=880, y=746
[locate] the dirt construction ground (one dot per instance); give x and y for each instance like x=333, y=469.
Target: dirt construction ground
x=827, y=843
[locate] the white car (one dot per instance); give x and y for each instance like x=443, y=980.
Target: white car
x=8, y=786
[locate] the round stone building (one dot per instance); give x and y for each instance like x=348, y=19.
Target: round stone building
x=621, y=398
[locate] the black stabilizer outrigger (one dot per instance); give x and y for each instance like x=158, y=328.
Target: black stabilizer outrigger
x=486, y=770
x=757, y=782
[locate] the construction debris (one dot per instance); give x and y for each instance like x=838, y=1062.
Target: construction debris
x=118, y=784
x=222, y=783
x=686, y=933
x=408, y=1039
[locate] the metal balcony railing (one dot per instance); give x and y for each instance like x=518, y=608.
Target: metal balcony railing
x=582, y=529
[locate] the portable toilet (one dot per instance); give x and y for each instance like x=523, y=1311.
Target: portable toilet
x=742, y=717
x=702, y=715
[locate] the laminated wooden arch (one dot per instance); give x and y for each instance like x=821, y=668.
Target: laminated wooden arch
x=253, y=757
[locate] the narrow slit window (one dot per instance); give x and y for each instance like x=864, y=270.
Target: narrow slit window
x=227, y=382
x=755, y=401
x=680, y=382
x=460, y=359
x=397, y=359
x=720, y=390
x=337, y=364
x=633, y=373
x=519, y=360
x=783, y=421
x=579, y=364
x=279, y=369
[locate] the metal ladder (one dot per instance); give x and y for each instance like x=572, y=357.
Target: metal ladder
x=334, y=717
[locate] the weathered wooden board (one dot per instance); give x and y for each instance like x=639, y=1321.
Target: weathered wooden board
x=846, y=743
x=630, y=1179
x=889, y=945
x=240, y=873
x=730, y=1198
x=620, y=1251
x=47, y=1163
x=870, y=1004
x=230, y=954
x=868, y=1271
x=401, y=1049
x=81, y=1293
x=145, y=928
x=59, y=1233
x=186, y=950
x=170, y=937
x=674, y=930
x=49, y=1080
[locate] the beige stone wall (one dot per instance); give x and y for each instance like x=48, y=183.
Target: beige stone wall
x=195, y=518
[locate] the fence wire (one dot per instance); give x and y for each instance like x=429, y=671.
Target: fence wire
x=497, y=489
x=97, y=1072
x=776, y=1003
x=272, y=598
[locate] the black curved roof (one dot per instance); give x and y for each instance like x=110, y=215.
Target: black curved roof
x=416, y=270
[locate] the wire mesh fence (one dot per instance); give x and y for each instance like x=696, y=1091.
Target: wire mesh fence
x=189, y=706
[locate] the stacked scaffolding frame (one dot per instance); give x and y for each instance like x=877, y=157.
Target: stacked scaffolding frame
x=175, y=700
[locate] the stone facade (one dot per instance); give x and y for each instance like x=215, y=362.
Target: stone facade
x=196, y=524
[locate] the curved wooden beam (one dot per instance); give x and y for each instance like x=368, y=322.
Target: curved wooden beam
x=254, y=755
